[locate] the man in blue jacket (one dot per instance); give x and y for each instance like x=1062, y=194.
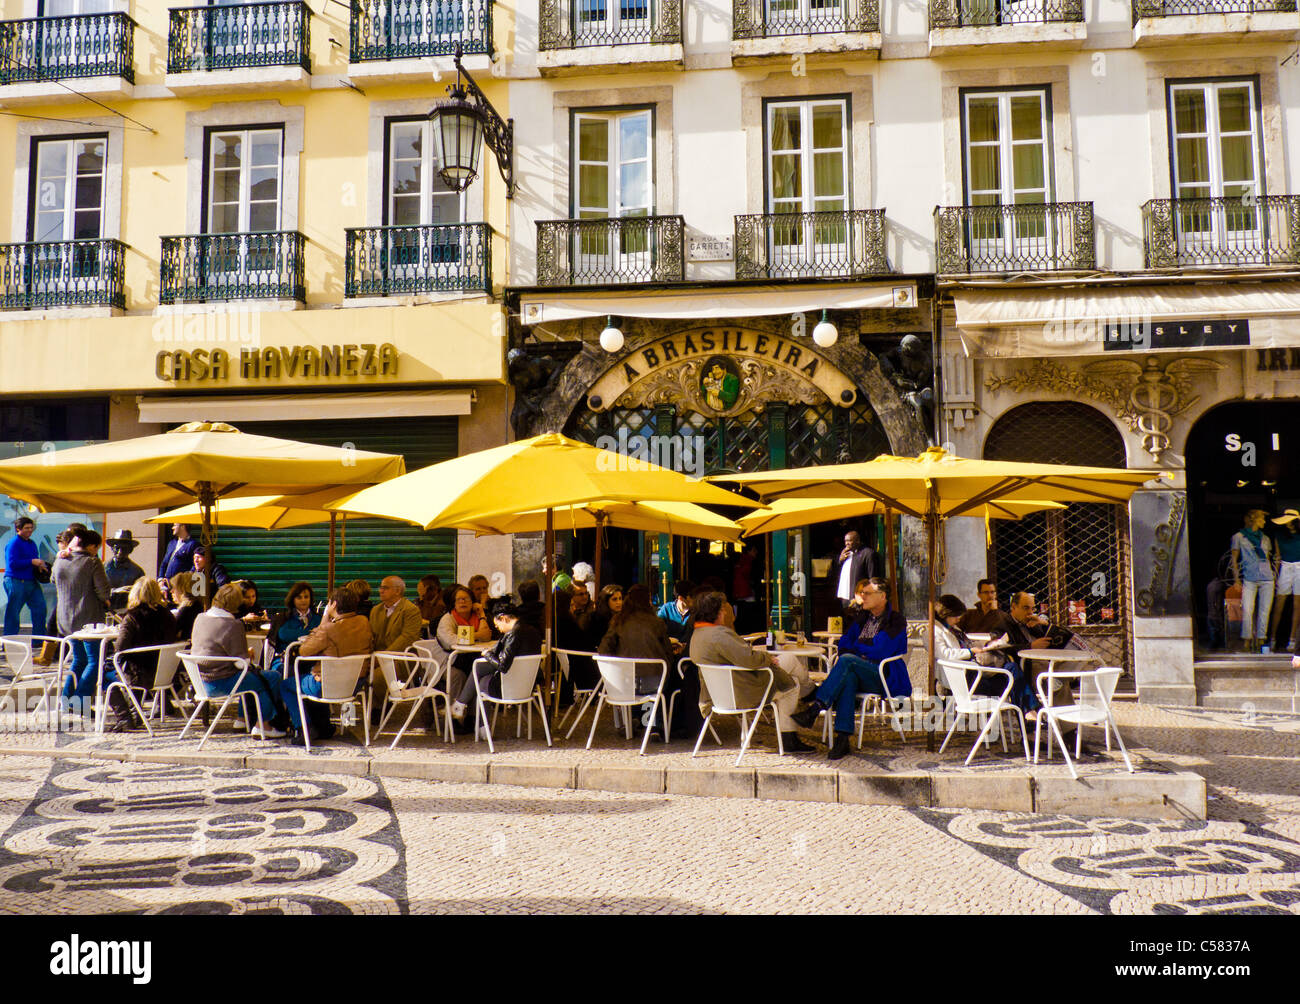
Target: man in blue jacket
x=22, y=562
x=876, y=631
x=179, y=556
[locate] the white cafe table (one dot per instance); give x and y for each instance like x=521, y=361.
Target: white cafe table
x=475, y=647
x=1051, y=656
x=793, y=658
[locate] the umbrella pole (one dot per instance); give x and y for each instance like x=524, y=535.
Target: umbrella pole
x=207, y=499
x=600, y=533
x=767, y=582
x=931, y=527
x=550, y=607
x=891, y=559
x=330, y=574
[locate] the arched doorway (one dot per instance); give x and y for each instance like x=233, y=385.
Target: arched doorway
x=1240, y=456
x=1074, y=560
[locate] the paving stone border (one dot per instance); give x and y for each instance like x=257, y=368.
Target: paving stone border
x=1165, y=795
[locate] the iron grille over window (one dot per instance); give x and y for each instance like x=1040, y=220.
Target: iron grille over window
x=1077, y=556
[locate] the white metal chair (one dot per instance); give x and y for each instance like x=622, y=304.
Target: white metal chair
x=25, y=674
x=168, y=662
x=588, y=693
x=978, y=706
x=202, y=695
x=720, y=681
x=618, y=690
x=871, y=704
x=519, y=689
x=1096, y=687
x=339, y=676
x=414, y=690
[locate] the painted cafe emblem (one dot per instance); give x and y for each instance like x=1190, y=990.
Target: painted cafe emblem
x=720, y=383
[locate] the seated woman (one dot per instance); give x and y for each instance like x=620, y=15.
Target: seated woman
x=298, y=619
x=570, y=635
x=464, y=613
x=608, y=604
x=362, y=590
x=251, y=611
x=218, y=632
x=951, y=643
x=342, y=631
x=185, y=589
x=147, y=622
x=637, y=632
x=430, y=601
x=518, y=637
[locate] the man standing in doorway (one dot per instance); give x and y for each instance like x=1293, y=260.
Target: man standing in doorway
x=179, y=556
x=855, y=563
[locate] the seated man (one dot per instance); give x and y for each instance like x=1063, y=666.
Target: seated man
x=714, y=641
x=677, y=612
x=395, y=624
x=876, y=631
x=532, y=611
x=342, y=631
x=985, y=617
x=1026, y=629
x=205, y=562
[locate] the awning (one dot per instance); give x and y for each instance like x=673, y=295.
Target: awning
x=1097, y=319
x=296, y=407
x=705, y=304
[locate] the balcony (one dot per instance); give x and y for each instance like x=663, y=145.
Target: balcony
x=1176, y=22
x=969, y=25
x=199, y=268
x=848, y=244
x=633, y=249
x=96, y=50
x=403, y=261
x=84, y=273
x=1051, y=237
x=391, y=41
x=763, y=29
x=1190, y=233
x=237, y=47
x=577, y=35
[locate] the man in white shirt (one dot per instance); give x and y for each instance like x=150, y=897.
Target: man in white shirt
x=855, y=563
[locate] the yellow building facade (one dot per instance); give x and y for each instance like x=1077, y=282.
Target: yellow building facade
x=234, y=213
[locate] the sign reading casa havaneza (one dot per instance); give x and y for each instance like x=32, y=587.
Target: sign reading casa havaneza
x=282, y=362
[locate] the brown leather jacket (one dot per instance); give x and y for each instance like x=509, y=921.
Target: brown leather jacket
x=349, y=635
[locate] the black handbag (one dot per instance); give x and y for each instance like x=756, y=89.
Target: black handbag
x=42, y=575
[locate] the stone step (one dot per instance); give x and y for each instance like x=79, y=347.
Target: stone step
x=1252, y=678
x=1236, y=662
x=1248, y=700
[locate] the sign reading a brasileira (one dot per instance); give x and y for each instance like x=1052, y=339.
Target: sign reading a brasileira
x=720, y=370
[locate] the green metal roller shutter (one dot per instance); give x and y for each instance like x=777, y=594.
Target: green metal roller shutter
x=369, y=548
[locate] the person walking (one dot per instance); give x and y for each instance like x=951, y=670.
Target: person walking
x=83, y=596
x=22, y=565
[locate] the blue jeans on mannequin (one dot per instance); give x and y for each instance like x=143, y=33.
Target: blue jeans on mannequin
x=21, y=593
x=851, y=676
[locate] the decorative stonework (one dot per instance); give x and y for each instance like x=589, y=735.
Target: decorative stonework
x=1153, y=599
x=760, y=383
x=1145, y=397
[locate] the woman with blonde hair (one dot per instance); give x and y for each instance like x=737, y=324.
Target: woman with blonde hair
x=147, y=622
x=185, y=589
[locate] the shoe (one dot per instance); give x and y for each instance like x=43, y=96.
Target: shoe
x=793, y=744
x=808, y=716
x=458, y=709
x=839, y=748
x=266, y=732
x=1265, y=650
x=121, y=724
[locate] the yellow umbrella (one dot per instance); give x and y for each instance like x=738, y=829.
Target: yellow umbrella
x=532, y=475
x=938, y=485
x=683, y=519
x=201, y=461
x=791, y=513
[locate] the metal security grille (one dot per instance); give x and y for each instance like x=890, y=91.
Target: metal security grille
x=825, y=434
x=1077, y=556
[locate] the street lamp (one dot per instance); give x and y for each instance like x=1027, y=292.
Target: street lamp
x=461, y=124
x=825, y=334
x=611, y=339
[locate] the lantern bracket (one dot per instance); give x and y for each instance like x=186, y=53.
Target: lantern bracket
x=498, y=133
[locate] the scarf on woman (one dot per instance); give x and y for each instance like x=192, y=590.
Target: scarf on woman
x=474, y=622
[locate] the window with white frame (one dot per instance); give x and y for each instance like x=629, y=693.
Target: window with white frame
x=67, y=195
x=1216, y=154
x=244, y=167
x=416, y=197
x=613, y=178
x=1007, y=163
x=807, y=154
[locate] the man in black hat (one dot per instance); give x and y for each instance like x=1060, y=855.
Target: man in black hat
x=122, y=571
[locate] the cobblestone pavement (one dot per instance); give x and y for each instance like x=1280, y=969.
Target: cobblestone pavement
x=82, y=836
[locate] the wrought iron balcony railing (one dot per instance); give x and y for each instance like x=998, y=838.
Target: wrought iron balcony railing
x=573, y=24
x=1042, y=237
x=84, y=273
x=774, y=18
x=393, y=261
x=65, y=48
x=403, y=29
x=1263, y=230
x=1173, y=8
x=252, y=266
x=609, y=251
x=983, y=13
x=804, y=245
x=232, y=36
